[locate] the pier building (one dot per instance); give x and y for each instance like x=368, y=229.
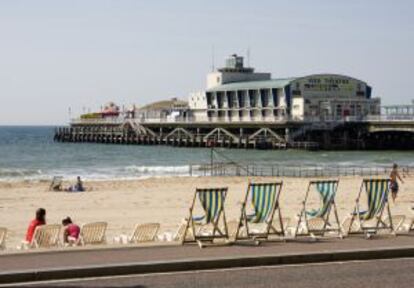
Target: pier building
x=238, y=94
x=242, y=108
x=165, y=110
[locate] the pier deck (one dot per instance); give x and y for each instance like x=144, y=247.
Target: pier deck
x=370, y=133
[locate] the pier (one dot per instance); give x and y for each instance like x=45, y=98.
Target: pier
x=384, y=132
x=241, y=108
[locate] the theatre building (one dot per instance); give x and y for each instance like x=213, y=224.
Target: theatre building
x=236, y=93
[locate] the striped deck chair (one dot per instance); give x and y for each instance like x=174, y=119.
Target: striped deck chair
x=316, y=221
x=46, y=236
x=207, y=227
x=265, y=202
x=93, y=233
x=377, y=191
x=3, y=235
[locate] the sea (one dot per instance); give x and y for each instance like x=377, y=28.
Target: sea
x=29, y=153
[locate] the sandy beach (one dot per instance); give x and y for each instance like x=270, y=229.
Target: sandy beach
x=164, y=200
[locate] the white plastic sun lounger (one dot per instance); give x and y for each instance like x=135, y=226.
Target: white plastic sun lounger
x=46, y=236
x=144, y=233
x=3, y=234
x=93, y=233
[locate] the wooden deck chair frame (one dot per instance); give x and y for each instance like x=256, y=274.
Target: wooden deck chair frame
x=379, y=221
x=191, y=225
x=46, y=236
x=270, y=229
x=93, y=233
x=56, y=182
x=324, y=219
x=3, y=235
x=144, y=233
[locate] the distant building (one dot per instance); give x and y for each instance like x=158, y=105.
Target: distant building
x=237, y=93
x=167, y=110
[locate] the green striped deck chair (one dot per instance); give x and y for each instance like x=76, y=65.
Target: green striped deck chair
x=264, y=203
x=316, y=221
x=211, y=223
x=377, y=191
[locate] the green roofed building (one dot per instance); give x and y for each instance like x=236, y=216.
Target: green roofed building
x=236, y=93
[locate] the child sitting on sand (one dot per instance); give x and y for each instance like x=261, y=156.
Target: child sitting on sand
x=71, y=232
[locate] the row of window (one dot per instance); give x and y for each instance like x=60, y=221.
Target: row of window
x=243, y=114
x=241, y=99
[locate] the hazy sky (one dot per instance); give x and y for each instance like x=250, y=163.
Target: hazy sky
x=60, y=54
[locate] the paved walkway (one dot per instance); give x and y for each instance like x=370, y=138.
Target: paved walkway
x=375, y=273
x=67, y=258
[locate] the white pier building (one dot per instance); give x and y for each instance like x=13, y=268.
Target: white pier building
x=236, y=93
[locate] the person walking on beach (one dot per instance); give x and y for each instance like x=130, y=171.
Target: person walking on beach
x=394, y=176
x=39, y=220
x=71, y=232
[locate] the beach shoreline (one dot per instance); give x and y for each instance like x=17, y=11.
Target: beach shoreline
x=165, y=200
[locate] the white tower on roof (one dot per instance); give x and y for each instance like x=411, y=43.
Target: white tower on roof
x=234, y=71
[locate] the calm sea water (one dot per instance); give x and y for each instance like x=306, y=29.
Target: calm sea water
x=29, y=153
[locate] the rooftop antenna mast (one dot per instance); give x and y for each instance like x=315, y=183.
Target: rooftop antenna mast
x=212, y=59
x=248, y=56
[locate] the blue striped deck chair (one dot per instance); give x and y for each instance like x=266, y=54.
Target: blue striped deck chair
x=316, y=221
x=264, y=201
x=377, y=191
x=211, y=223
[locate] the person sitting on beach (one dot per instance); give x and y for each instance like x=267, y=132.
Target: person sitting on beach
x=38, y=221
x=78, y=187
x=71, y=232
x=394, y=175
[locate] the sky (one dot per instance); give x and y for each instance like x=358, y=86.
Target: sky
x=62, y=58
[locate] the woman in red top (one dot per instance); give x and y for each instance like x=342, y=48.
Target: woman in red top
x=39, y=220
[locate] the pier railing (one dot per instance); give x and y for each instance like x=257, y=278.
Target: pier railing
x=388, y=118
x=110, y=120
x=321, y=121
x=232, y=169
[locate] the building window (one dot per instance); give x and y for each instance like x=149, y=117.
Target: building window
x=358, y=110
x=241, y=98
x=338, y=110
x=360, y=93
x=252, y=98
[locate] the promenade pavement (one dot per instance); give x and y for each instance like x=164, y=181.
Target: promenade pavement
x=302, y=250
x=374, y=273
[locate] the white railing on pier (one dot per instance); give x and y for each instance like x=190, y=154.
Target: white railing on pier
x=326, y=121
x=397, y=118
x=111, y=120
